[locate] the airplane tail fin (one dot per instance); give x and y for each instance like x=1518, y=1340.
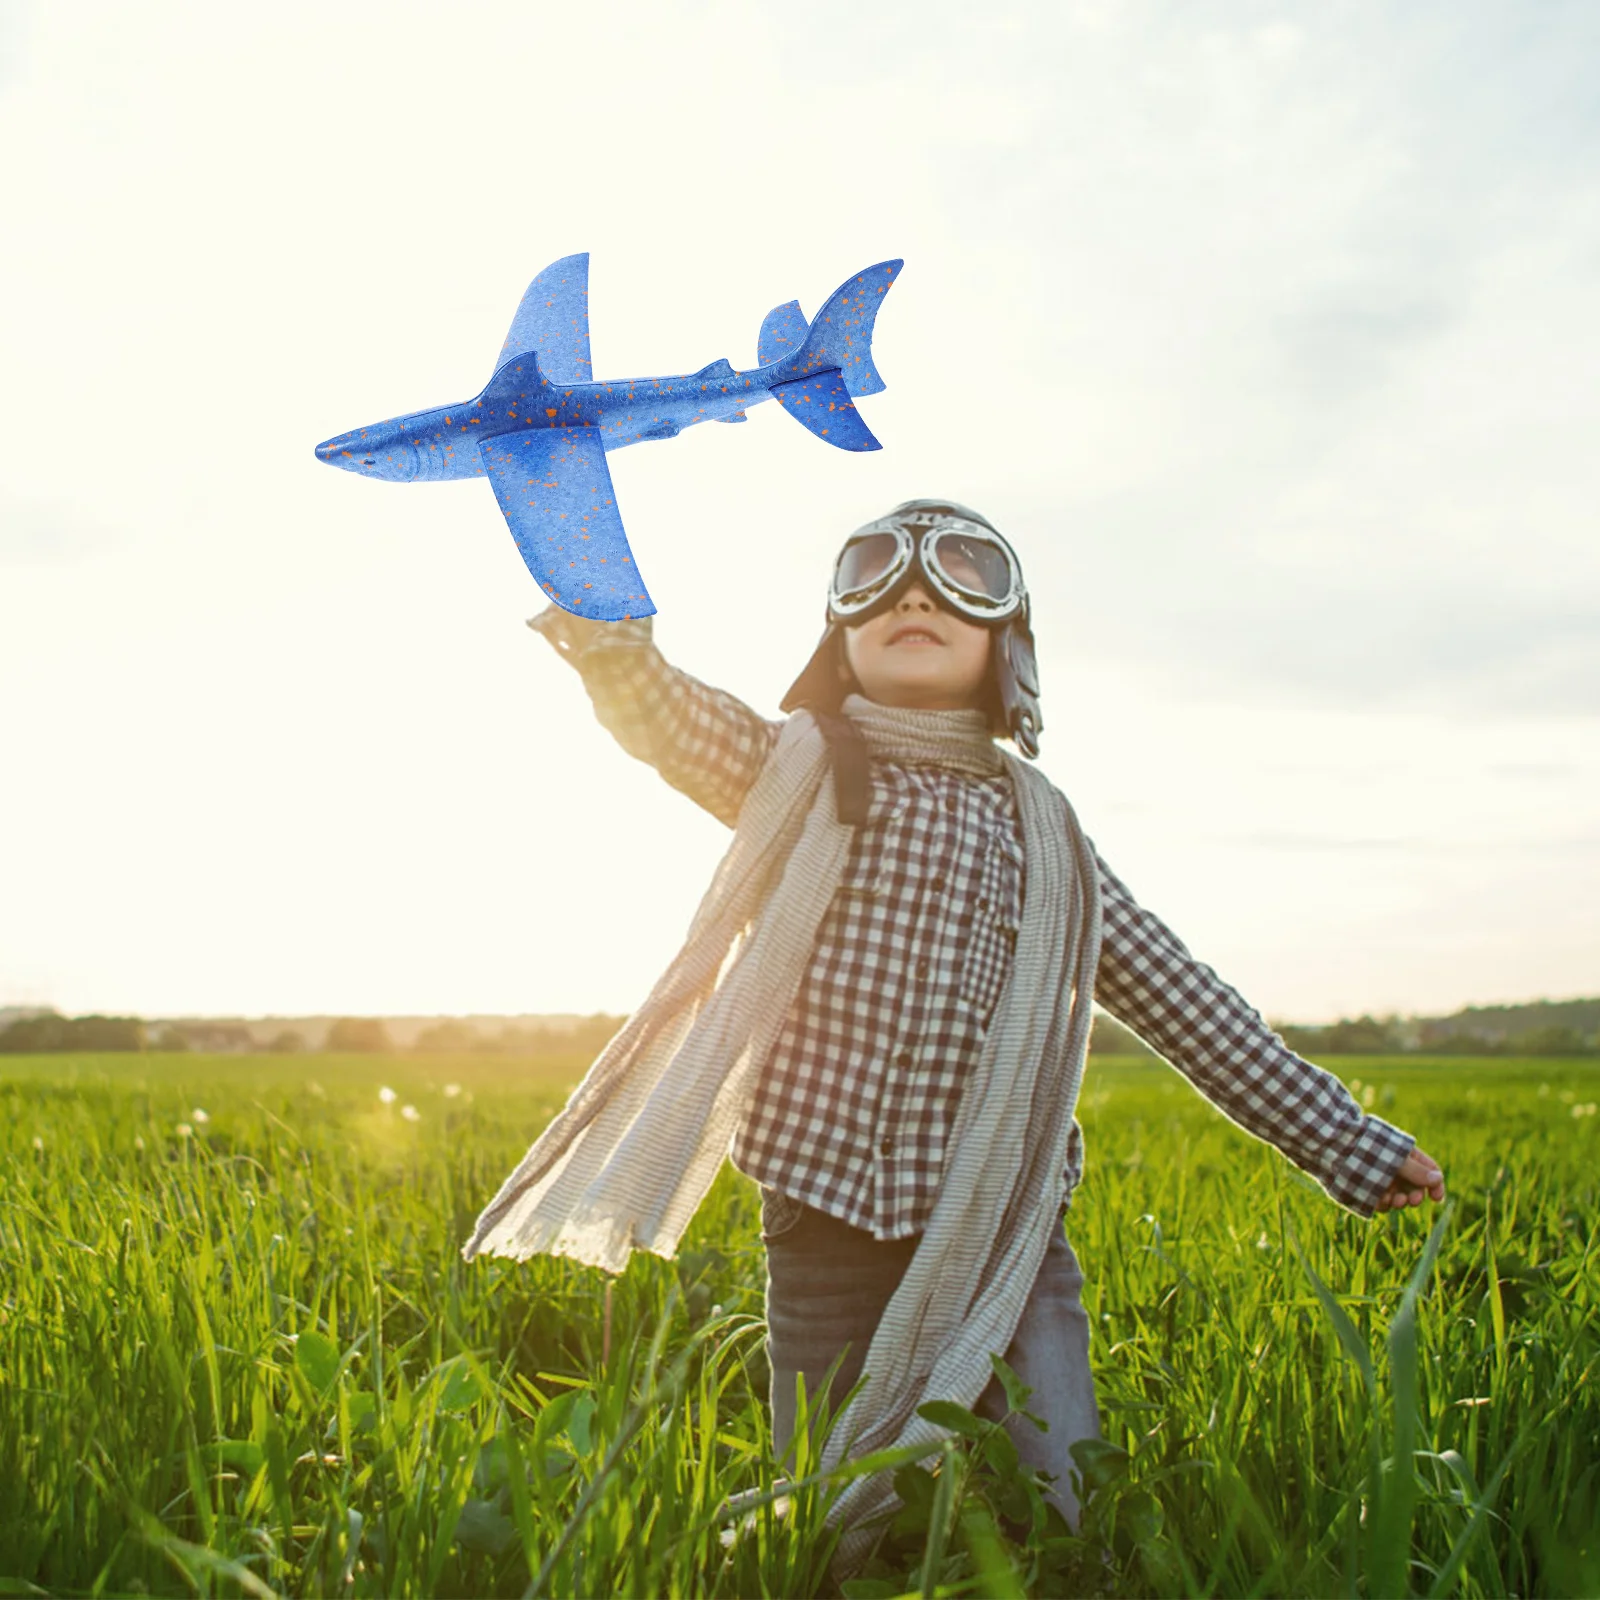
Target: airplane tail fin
x=840, y=334
x=823, y=405
x=835, y=359
x=783, y=331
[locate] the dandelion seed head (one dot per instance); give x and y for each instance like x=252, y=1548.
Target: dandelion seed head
x=138, y=1141
x=411, y=1114
x=200, y=1115
x=38, y=1143
x=185, y=1131
x=387, y=1095
x=451, y=1090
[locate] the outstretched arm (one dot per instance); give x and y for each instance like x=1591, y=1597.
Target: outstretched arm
x=1151, y=983
x=703, y=741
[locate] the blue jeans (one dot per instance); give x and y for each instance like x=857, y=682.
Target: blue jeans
x=827, y=1286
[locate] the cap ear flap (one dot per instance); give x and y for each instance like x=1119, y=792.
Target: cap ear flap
x=820, y=686
x=1020, y=656
x=1017, y=678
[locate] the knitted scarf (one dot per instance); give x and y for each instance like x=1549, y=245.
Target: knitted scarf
x=627, y=1162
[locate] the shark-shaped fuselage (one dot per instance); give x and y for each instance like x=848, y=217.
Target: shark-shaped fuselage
x=442, y=443
x=541, y=427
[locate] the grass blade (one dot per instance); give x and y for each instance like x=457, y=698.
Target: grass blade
x=1389, y=1553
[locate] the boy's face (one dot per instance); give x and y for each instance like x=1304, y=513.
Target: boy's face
x=915, y=654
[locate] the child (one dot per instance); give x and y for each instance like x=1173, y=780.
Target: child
x=885, y=1002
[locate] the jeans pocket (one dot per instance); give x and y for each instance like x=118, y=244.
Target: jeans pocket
x=780, y=1213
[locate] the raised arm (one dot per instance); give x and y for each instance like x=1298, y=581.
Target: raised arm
x=703, y=741
x=1150, y=983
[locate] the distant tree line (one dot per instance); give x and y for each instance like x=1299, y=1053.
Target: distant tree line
x=370, y=1036
x=361, y=1036
x=48, y=1032
x=1358, y=1036
x=1388, y=1036
x=1544, y=1028
x=226, y=1038
x=588, y=1037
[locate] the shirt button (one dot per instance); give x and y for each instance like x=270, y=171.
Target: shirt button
x=906, y=1058
x=938, y=884
x=923, y=968
x=886, y=1148
x=983, y=905
x=951, y=803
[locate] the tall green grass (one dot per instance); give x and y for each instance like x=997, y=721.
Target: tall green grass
x=247, y=1358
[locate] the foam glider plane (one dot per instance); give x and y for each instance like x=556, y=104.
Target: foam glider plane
x=541, y=428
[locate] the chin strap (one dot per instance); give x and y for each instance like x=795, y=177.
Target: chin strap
x=848, y=752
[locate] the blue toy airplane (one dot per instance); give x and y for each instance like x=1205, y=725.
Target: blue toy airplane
x=541, y=429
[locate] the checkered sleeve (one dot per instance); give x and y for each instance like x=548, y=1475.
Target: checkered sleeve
x=706, y=743
x=1150, y=983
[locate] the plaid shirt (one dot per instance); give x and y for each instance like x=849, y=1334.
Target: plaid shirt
x=855, y=1106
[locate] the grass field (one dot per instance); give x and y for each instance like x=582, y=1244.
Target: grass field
x=239, y=1353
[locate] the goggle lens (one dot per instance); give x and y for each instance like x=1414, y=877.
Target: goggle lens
x=975, y=566
x=865, y=562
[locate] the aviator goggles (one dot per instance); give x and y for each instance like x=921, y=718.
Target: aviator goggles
x=966, y=567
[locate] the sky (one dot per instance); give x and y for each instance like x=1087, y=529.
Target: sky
x=1266, y=333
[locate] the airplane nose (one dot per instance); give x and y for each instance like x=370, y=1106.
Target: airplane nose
x=395, y=460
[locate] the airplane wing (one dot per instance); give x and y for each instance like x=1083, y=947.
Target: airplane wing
x=554, y=320
x=555, y=490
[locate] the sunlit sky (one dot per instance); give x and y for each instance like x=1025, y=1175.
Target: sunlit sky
x=1266, y=332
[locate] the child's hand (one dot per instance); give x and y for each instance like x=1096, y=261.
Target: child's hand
x=1419, y=1177
x=568, y=634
